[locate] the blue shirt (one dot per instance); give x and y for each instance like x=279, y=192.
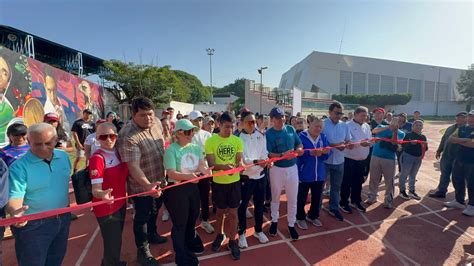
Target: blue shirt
x=10, y=153
x=280, y=141
x=42, y=186
x=379, y=149
x=336, y=133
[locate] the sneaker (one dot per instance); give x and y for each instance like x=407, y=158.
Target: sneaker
x=302, y=224
x=346, y=208
x=166, y=216
x=243, y=241
x=196, y=246
x=370, y=201
x=234, y=249
x=454, y=204
x=262, y=238
x=157, y=239
x=248, y=214
x=336, y=214
x=144, y=257
x=413, y=195
x=315, y=221
x=387, y=205
x=359, y=207
x=206, y=226
x=404, y=195
x=437, y=195
x=273, y=229
x=469, y=210
x=293, y=233
x=216, y=245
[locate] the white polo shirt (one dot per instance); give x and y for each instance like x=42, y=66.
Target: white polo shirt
x=358, y=132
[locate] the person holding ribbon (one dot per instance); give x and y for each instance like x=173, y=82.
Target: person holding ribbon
x=39, y=182
x=412, y=154
x=184, y=161
x=383, y=161
x=108, y=177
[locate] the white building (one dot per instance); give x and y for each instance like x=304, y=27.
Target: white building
x=341, y=74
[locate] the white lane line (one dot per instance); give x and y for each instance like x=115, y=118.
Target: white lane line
x=402, y=257
x=88, y=246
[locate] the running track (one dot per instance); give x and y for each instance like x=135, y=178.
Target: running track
x=412, y=233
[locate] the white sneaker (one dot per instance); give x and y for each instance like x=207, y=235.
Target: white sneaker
x=166, y=216
x=454, y=204
x=207, y=227
x=469, y=210
x=302, y=224
x=262, y=238
x=243, y=241
x=248, y=214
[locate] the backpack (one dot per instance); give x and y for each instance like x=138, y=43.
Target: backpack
x=81, y=183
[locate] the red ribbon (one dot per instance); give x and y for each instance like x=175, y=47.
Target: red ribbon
x=55, y=212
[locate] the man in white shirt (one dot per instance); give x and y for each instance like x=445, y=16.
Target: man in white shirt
x=252, y=179
x=204, y=185
x=355, y=161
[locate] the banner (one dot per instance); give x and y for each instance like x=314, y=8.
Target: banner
x=29, y=89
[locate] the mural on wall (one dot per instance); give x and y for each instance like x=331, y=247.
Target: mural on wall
x=29, y=89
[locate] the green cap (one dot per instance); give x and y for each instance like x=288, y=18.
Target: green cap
x=183, y=124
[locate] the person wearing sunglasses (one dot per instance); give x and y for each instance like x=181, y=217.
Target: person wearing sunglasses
x=253, y=183
x=91, y=144
x=108, y=177
x=184, y=161
x=339, y=137
x=64, y=141
x=18, y=143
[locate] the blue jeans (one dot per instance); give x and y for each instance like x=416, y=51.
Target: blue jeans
x=42, y=242
x=410, y=166
x=446, y=167
x=336, y=171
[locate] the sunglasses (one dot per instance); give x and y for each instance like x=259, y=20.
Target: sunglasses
x=187, y=132
x=113, y=137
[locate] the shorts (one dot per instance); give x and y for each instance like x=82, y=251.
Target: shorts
x=80, y=153
x=227, y=196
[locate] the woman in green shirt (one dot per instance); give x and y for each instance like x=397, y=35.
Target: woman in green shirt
x=184, y=161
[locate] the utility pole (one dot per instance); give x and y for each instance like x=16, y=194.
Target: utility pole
x=260, y=71
x=210, y=53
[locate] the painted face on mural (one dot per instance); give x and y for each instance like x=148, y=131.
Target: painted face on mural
x=5, y=75
x=50, y=87
x=85, y=88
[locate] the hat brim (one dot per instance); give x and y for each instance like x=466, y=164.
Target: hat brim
x=186, y=127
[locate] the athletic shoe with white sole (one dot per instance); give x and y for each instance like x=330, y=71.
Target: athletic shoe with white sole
x=243, y=241
x=206, y=226
x=469, y=210
x=302, y=224
x=262, y=238
x=413, y=195
x=454, y=204
x=316, y=221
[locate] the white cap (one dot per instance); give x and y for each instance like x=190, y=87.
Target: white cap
x=195, y=115
x=471, y=112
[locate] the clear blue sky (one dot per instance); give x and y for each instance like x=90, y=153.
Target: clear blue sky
x=247, y=34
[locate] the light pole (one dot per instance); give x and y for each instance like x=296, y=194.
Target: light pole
x=260, y=71
x=210, y=53
x=437, y=92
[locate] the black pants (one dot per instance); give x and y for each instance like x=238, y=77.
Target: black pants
x=316, y=197
x=268, y=190
x=463, y=177
x=2, y=231
x=111, y=228
x=182, y=202
x=249, y=188
x=204, y=186
x=144, y=223
x=352, y=181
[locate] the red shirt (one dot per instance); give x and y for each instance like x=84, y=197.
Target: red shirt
x=105, y=168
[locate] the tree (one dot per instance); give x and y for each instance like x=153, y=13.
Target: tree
x=374, y=99
x=198, y=92
x=237, y=88
x=465, y=86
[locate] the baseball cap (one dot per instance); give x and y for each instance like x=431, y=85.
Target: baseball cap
x=208, y=119
x=403, y=114
x=195, y=115
x=87, y=110
x=100, y=121
x=51, y=117
x=183, y=124
x=462, y=113
x=379, y=109
x=471, y=112
x=277, y=112
x=17, y=129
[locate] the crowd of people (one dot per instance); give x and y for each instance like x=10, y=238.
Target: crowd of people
x=319, y=154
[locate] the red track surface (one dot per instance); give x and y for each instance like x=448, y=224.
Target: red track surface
x=413, y=232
